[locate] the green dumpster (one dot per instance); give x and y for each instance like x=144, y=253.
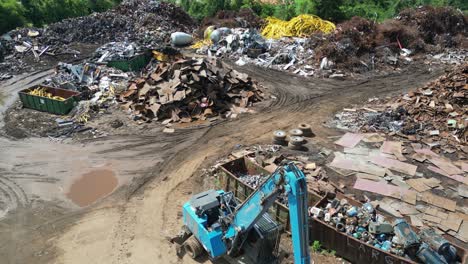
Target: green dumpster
x=48, y=104
x=135, y=63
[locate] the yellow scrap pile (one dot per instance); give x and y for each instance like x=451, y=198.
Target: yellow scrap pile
x=42, y=92
x=300, y=26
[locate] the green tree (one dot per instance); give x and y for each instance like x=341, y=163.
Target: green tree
x=11, y=15
x=305, y=7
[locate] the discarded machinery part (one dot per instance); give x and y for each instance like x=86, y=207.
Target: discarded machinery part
x=439, y=244
x=340, y=227
x=386, y=245
x=296, y=141
x=409, y=239
x=296, y=132
x=368, y=207
x=193, y=248
x=181, y=39
x=183, y=235
x=215, y=36
x=306, y=129
x=294, y=147
x=280, y=142
x=380, y=228
x=316, y=212
x=429, y=256
x=352, y=211
x=279, y=135
x=365, y=236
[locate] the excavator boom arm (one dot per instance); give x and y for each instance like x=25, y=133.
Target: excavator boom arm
x=286, y=179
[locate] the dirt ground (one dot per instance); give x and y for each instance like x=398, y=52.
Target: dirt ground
x=156, y=173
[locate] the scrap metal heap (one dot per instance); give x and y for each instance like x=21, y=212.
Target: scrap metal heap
x=186, y=90
x=147, y=22
x=364, y=223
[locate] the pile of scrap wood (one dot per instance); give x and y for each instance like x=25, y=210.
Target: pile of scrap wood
x=189, y=90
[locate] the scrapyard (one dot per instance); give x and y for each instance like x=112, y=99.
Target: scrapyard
x=143, y=135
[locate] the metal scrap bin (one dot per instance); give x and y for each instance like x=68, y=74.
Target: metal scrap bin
x=228, y=181
x=135, y=63
x=353, y=249
x=48, y=104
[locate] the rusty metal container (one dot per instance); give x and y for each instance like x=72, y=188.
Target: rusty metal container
x=353, y=249
x=229, y=181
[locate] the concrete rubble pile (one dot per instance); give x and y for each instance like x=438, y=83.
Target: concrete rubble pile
x=192, y=89
x=397, y=237
x=147, y=22
x=437, y=114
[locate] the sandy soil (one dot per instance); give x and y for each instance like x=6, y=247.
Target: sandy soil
x=157, y=173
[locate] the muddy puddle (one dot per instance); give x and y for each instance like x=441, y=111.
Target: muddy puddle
x=92, y=186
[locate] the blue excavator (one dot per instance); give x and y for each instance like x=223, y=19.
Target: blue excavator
x=216, y=223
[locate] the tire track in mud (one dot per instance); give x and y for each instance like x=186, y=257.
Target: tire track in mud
x=124, y=231
x=12, y=195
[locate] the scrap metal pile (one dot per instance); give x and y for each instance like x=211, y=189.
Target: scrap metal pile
x=115, y=51
x=365, y=224
x=193, y=89
x=147, y=22
x=437, y=114
x=309, y=46
x=270, y=157
x=361, y=45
